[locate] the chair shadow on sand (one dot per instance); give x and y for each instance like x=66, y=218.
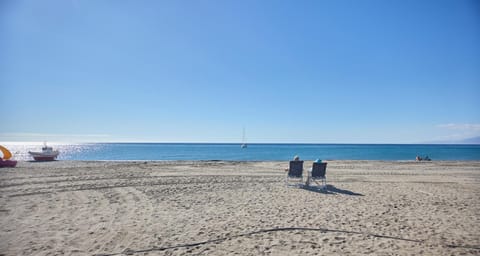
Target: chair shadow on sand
x=331, y=190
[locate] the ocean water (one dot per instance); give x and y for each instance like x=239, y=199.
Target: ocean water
x=254, y=152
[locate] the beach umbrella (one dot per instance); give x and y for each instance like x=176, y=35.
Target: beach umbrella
x=6, y=153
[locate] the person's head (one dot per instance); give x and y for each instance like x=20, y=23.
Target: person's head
x=318, y=160
x=296, y=158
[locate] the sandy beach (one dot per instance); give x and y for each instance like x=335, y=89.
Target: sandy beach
x=239, y=208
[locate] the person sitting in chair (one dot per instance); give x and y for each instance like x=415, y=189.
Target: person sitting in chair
x=307, y=183
x=295, y=158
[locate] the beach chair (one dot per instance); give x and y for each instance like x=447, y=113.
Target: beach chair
x=319, y=171
x=295, y=172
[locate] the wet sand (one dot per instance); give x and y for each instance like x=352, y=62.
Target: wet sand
x=239, y=208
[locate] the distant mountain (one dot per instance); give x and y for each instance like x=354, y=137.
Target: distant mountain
x=474, y=140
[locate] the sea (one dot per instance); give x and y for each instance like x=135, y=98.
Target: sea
x=254, y=152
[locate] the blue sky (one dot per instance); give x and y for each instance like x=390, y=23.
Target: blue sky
x=200, y=71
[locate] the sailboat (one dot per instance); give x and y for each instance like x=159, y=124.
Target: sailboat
x=244, y=144
x=5, y=159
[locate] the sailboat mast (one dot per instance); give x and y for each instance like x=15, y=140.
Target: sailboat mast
x=244, y=144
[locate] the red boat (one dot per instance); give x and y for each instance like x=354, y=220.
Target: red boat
x=4, y=161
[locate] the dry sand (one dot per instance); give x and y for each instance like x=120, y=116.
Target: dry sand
x=239, y=208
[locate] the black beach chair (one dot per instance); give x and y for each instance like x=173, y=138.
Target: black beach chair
x=319, y=171
x=295, y=172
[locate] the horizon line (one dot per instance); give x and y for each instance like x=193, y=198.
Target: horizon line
x=240, y=143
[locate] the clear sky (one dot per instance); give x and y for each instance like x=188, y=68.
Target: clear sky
x=357, y=71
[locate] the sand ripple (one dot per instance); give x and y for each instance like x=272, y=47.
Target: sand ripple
x=238, y=208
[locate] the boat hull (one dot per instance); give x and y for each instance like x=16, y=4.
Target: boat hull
x=8, y=163
x=44, y=158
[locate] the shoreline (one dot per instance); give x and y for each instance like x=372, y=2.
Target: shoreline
x=235, y=207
